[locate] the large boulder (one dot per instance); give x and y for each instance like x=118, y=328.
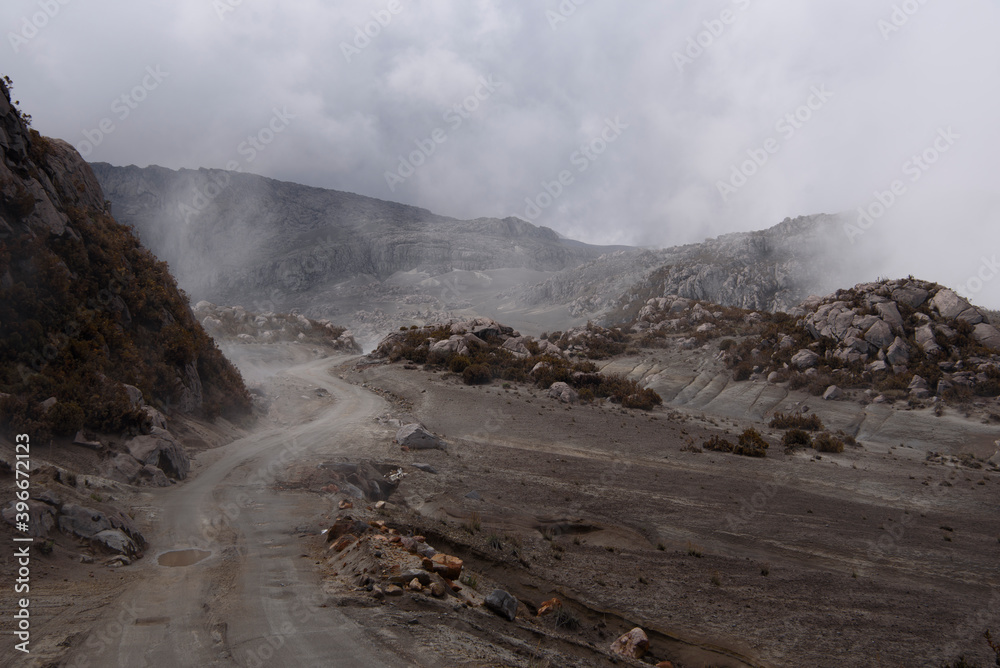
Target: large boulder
x=890, y=314
x=898, y=353
x=909, y=295
x=988, y=335
x=115, y=540
x=880, y=334
x=159, y=448
x=950, y=306
x=805, y=359
x=87, y=523
x=502, y=603
x=415, y=437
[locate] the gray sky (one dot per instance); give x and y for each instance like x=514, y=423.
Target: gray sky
x=667, y=97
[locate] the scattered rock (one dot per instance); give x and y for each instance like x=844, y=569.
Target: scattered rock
x=446, y=566
x=502, y=604
x=832, y=393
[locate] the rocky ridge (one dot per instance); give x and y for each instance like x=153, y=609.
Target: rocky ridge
x=236, y=324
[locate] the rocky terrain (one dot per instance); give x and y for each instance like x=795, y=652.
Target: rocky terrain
x=235, y=238
x=229, y=324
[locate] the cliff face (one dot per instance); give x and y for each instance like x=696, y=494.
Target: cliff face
x=85, y=310
x=771, y=270
x=240, y=238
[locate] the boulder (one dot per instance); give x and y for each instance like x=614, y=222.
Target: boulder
x=876, y=366
x=898, y=353
x=805, y=359
x=633, y=644
x=919, y=388
x=988, y=335
x=156, y=418
x=563, y=393
x=910, y=296
x=926, y=340
x=415, y=437
x=115, y=541
x=833, y=392
x=86, y=523
x=150, y=476
x=134, y=396
x=890, y=314
x=950, y=306
x=159, y=448
x=123, y=468
x=502, y=603
x=880, y=334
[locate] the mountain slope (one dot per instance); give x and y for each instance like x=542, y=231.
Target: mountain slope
x=241, y=238
x=85, y=310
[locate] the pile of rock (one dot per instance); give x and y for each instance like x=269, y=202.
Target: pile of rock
x=236, y=324
x=869, y=326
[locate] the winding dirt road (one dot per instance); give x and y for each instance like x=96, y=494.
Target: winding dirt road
x=256, y=600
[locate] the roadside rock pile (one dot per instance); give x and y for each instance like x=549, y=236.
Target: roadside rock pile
x=236, y=324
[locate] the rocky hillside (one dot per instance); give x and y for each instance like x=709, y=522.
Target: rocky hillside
x=233, y=238
x=236, y=324
x=768, y=270
x=92, y=326
x=902, y=338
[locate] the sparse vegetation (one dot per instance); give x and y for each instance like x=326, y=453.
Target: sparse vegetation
x=827, y=442
x=810, y=422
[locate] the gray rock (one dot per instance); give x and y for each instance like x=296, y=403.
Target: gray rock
x=563, y=393
x=502, y=603
x=426, y=468
x=988, y=335
x=116, y=541
x=910, y=295
x=151, y=476
x=122, y=467
x=48, y=404
x=950, y=306
x=919, y=388
x=159, y=448
x=880, y=334
x=890, y=313
x=926, y=341
x=898, y=353
x=134, y=396
x=156, y=418
x=832, y=393
x=415, y=437
x=805, y=359
x=774, y=377
x=876, y=366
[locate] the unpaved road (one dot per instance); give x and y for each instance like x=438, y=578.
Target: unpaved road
x=256, y=600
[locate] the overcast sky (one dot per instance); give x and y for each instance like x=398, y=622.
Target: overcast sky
x=475, y=108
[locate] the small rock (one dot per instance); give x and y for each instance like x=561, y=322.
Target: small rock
x=832, y=393
x=502, y=603
x=345, y=504
x=805, y=359
x=633, y=644
x=393, y=590
x=414, y=585
x=415, y=437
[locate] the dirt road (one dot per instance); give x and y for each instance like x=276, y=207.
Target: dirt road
x=255, y=600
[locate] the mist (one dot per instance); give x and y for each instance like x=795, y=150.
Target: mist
x=650, y=124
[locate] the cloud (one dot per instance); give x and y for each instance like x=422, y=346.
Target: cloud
x=899, y=71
